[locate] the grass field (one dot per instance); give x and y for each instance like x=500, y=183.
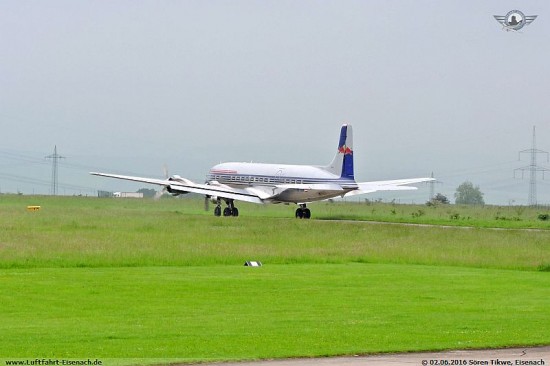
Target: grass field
x=129, y=280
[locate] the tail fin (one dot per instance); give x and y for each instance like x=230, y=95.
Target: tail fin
x=342, y=164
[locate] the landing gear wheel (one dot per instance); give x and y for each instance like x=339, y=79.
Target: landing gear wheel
x=303, y=212
x=230, y=210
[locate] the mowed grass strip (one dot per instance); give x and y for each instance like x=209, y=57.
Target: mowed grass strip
x=233, y=312
x=88, y=232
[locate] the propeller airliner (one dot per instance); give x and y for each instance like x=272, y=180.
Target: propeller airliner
x=279, y=183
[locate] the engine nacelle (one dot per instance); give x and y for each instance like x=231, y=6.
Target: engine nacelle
x=173, y=192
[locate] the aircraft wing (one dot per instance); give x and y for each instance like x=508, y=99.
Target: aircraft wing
x=160, y=182
x=180, y=185
x=388, y=185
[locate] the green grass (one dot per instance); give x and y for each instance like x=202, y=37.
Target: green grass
x=162, y=282
x=455, y=215
x=234, y=312
x=79, y=232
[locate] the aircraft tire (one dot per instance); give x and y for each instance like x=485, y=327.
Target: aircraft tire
x=218, y=211
x=235, y=212
x=307, y=213
x=299, y=213
x=227, y=211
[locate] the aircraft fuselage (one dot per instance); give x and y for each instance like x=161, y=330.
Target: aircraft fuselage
x=296, y=183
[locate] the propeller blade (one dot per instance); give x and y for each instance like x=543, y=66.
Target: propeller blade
x=164, y=190
x=159, y=194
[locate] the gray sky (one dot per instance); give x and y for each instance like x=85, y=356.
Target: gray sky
x=127, y=86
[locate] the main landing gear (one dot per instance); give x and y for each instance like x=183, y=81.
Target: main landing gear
x=303, y=212
x=230, y=210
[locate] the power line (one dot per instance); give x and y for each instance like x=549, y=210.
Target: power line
x=45, y=183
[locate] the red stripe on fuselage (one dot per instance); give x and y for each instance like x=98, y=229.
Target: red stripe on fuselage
x=217, y=171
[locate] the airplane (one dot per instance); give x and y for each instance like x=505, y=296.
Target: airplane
x=279, y=183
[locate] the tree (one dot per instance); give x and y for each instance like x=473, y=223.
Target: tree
x=147, y=192
x=437, y=200
x=467, y=194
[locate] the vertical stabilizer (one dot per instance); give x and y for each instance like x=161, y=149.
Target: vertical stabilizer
x=342, y=164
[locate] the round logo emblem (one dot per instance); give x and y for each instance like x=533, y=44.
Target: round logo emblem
x=515, y=20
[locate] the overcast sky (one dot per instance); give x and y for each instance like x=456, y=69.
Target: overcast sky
x=128, y=86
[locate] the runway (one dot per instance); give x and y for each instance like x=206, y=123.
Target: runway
x=495, y=357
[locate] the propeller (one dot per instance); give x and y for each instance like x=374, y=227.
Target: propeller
x=164, y=190
x=206, y=200
x=206, y=203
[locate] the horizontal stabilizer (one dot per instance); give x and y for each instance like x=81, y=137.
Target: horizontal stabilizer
x=314, y=186
x=388, y=185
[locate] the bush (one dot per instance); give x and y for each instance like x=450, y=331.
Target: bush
x=438, y=199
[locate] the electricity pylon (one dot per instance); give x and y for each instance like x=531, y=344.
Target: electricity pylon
x=533, y=168
x=55, y=157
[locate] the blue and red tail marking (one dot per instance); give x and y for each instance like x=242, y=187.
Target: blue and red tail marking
x=345, y=147
x=342, y=164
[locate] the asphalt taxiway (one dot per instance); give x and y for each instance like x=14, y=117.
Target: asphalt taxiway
x=539, y=356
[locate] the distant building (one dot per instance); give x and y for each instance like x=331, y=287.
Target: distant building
x=128, y=195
